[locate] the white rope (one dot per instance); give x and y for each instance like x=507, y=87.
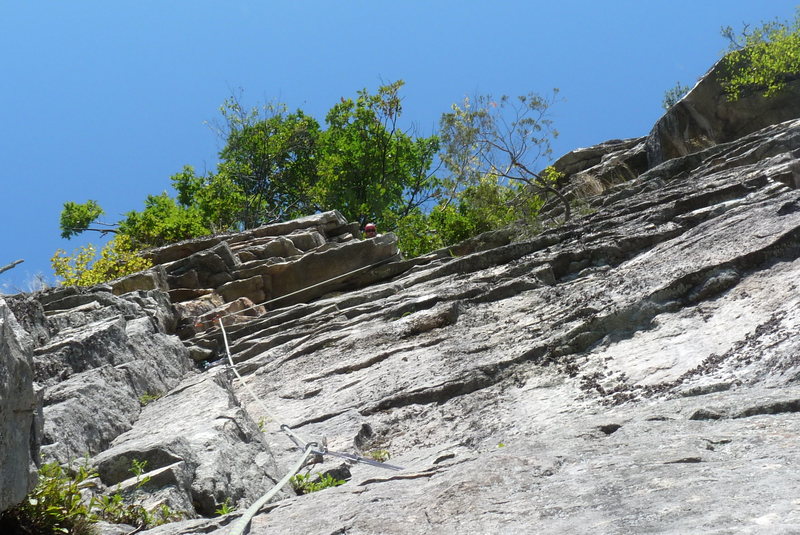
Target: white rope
x=241, y=379
x=319, y=449
x=242, y=522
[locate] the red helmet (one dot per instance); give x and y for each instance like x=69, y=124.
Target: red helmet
x=369, y=227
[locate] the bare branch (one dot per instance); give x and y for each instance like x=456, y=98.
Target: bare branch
x=11, y=265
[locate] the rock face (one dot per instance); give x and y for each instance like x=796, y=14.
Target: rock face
x=18, y=434
x=633, y=371
x=701, y=119
x=705, y=117
x=117, y=386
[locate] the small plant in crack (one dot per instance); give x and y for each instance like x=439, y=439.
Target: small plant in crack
x=149, y=397
x=138, y=468
x=224, y=508
x=379, y=455
x=305, y=484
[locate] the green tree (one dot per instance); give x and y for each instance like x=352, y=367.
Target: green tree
x=163, y=221
x=270, y=155
x=761, y=60
x=77, y=218
x=218, y=199
x=369, y=168
x=502, y=138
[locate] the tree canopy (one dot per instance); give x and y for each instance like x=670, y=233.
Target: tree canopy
x=480, y=173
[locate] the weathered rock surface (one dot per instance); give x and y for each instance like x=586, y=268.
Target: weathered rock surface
x=633, y=371
x=200, y=448
x=18, y=434
x=701, y=119
x=118, y=387
x=705, y=117
x=107, y=353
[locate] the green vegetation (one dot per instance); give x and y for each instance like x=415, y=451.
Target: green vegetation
x=114, y=509
x=224, y=508
x=57, y=505
x=478, y=174
x=379, y=455
x=137, y=469
x=117, y=259
x=149, y=397
x=304, y=484
x=763, y=59
x=673, y=95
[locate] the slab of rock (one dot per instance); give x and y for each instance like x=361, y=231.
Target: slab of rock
x=633, y=371
x=214, y=451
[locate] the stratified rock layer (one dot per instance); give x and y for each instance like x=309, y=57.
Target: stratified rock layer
x=634, y=371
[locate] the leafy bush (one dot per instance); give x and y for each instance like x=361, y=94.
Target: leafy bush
x=673, y=95
x=117, y=259
x=761, y=60
x=113, y=508
x=56, y=504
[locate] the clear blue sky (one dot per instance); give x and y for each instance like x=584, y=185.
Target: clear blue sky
x=106, y=100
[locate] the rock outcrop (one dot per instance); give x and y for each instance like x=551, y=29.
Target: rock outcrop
x=633, y=371
x=19, y=451
x=117, y=386
x=704, y=117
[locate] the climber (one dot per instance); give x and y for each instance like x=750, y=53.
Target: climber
x=370, y=230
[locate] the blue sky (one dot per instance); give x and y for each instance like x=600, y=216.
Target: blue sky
x=106, y=100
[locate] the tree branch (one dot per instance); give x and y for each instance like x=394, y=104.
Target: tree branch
x=11, y=265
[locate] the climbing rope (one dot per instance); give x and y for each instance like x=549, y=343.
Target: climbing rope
x=239, y=526
x=241, y=379
x=310, y=450
x=320, y=449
